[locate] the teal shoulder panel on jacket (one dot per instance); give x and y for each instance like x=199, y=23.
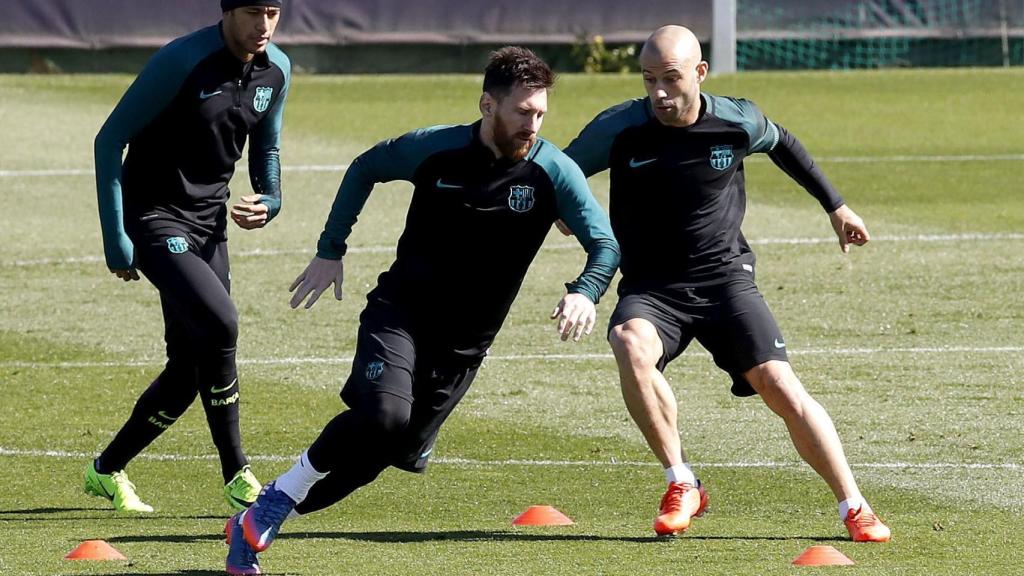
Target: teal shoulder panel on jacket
x=763, y=133
x=394, y=159
x=281, y=60
x=398, y=158
x=150, y=93
x=580, y=211
x=592, y=148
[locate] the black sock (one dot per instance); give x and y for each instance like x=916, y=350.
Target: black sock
x=220, y=402
x=163, y=402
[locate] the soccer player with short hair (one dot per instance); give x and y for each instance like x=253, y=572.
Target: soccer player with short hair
x=485, y=197
x=164, y=212
x=677, y=202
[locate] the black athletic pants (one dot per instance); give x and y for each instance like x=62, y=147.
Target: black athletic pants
x=201, y=332
x=399, y=394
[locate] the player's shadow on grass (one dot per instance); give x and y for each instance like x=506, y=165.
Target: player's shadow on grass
x=405, y=537
x=47, y=510
x=25, y=515
x=401, y=537
x=215, y=536
x=178, y=573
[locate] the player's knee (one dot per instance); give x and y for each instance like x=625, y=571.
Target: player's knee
x=179, y=373
x=173, y=390
x=222, y=329
x=163, y=403
x=779, y=388
x=229, y=327
x=385, y=414
x=636, y=343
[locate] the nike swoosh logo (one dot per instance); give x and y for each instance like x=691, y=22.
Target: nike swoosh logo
x=203, y=95
x=104, y=488
x=265, y=536
x=779, y=344
x=441, y=184
x=165, y=416
x=215, y=390
x=633, y=163
x=427, y=453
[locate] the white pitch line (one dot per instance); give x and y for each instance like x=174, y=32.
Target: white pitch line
x=309, y=168
x=56, y=172
x=347, y=358
x=896, y=158
x=924, y=158
x=907, y=158
x=240, y=254
x=90, y=171
x=390, y=249
x=964, y=237
x=456, y=461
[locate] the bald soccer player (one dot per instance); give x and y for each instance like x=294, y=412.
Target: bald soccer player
x=677, y=187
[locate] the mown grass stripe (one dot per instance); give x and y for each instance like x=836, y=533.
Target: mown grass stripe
x=964, y=237
x=456, y=461
x=347, y=358
x=895, y=158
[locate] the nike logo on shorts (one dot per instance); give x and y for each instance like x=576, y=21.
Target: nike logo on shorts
x=203, y=94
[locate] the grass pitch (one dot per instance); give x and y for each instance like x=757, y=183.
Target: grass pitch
x=912, y=343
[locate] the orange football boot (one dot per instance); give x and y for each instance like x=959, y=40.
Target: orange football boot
x=866, y=526
x=681, y=502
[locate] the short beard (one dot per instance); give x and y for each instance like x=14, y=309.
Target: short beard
x=506, y=143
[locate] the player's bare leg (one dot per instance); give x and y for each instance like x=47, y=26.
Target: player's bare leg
x=648, y=397
x=652, y=405
x=816, y=440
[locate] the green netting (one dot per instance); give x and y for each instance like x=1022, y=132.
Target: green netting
x=879, y=33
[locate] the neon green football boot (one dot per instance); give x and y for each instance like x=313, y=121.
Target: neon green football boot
x=115, y=487
x=242, y=490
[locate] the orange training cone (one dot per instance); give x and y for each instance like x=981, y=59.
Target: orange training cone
x=542, y=516
x=94, y=550
x=822, y=556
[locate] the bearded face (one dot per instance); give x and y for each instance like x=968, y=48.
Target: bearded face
x=515, y=119
x=513, y=142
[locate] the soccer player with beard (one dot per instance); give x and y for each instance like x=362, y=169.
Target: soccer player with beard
x=485, y=197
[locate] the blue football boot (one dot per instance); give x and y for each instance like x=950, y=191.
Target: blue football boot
x=261, y=522
x=241, y=557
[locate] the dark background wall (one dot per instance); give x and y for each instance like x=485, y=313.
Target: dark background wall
x=381, y=36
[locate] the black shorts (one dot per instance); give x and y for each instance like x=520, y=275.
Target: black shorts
x=392, y=359
x=731, y=320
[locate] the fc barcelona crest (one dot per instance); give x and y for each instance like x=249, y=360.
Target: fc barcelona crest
x=721, y=157
x=374, y=370
x=520, y=198
x=262, y=99
x=177, y=245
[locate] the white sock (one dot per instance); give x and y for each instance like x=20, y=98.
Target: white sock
x=680, y=473
x=297, y=481
x=854, y=503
